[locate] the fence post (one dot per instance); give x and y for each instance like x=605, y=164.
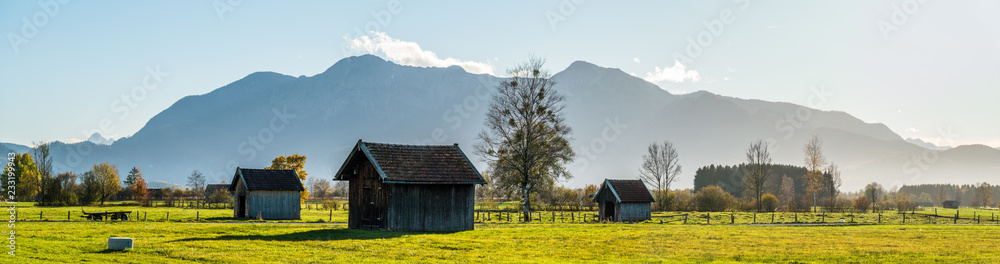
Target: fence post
x=772, y=217
x=732, y=218
x=685, y=219
x=197, y=216
x=144, y=216
x=168, y=217
x=67, y=215
x=754, y=218
x=904, y=217
x=39, y=215
x=796, y=217
x=709, y=218
x=331, y=215
x=956, y=218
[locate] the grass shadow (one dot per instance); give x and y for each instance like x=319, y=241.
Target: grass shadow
x=318, y=235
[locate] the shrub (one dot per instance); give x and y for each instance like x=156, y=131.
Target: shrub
x=328, y=205
x=713, y=199
x=683, y=200
x=862, y=204
x=768, y=202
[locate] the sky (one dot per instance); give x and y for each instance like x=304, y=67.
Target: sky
x=926, y=69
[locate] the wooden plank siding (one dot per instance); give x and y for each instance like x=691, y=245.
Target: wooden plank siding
x=278, y=205
x=634, y=212
x=431, y=207
x=408, y=207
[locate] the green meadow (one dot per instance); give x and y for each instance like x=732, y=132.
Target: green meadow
x=177, y=242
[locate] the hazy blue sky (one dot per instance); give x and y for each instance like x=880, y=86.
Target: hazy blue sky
x=920, y=68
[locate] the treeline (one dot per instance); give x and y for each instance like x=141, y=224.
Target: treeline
x=788, y=183
x=977, y=195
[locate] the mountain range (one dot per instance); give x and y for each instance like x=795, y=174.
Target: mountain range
x=614, y=117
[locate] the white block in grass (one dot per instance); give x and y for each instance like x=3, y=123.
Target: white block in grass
x=119, y=243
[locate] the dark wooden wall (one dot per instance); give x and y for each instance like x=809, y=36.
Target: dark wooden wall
x=602, y=198
x=431, y=207
x=368, y=204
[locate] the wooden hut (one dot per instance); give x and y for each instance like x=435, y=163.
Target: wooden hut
x=623, y=200
x=410, y=187
x=950, y=204
x=269, y=194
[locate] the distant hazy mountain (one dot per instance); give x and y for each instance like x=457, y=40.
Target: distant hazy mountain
x=97, y=138
x=7, y=147
x=927, y=145
x=614, y=116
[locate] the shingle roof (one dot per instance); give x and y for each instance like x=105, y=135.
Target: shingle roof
x=271, y=180
x=427, y=164
x=630, y=191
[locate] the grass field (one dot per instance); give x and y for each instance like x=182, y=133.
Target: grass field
x=160, y=242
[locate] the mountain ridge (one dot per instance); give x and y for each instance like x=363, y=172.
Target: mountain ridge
x=614, y=117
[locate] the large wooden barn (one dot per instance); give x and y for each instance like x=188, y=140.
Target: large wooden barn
x=269, y=194
x=623, y=200
x=410, y=187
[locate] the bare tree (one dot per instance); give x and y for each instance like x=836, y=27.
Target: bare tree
x=983, y=196
x=526, y=140
x=787, y=190
x=320, y=188
x=874, y=191
x=758, y=170
x=196, y=181
x=660, y=168
x=814, y=163
x=942, y=196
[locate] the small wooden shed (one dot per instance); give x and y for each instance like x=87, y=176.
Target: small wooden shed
x=410, y=187
x=623, y=200
x=950, y=204
x=269, y=194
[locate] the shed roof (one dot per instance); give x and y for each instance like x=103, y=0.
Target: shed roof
x=270, y=180
x=627, y=191
x=414, y=164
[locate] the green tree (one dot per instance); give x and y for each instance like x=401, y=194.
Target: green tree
x=526, y=139
x=26, y=174
x=874, y=191
x=758, y=170
x=294, y=162
x=103, y=181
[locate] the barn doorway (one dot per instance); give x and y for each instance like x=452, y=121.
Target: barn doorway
x=370, y=213
x=241, y=206
x=609, y=211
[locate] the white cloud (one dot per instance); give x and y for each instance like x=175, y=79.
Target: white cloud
x=636, y=60
x=410, y=53
x=724, y=78
x=678, y=73
x=912, y=130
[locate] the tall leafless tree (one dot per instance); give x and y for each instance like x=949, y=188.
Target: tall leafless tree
x=660, y=168
x=814, y=163
x=758, y=170
x=526, y=140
